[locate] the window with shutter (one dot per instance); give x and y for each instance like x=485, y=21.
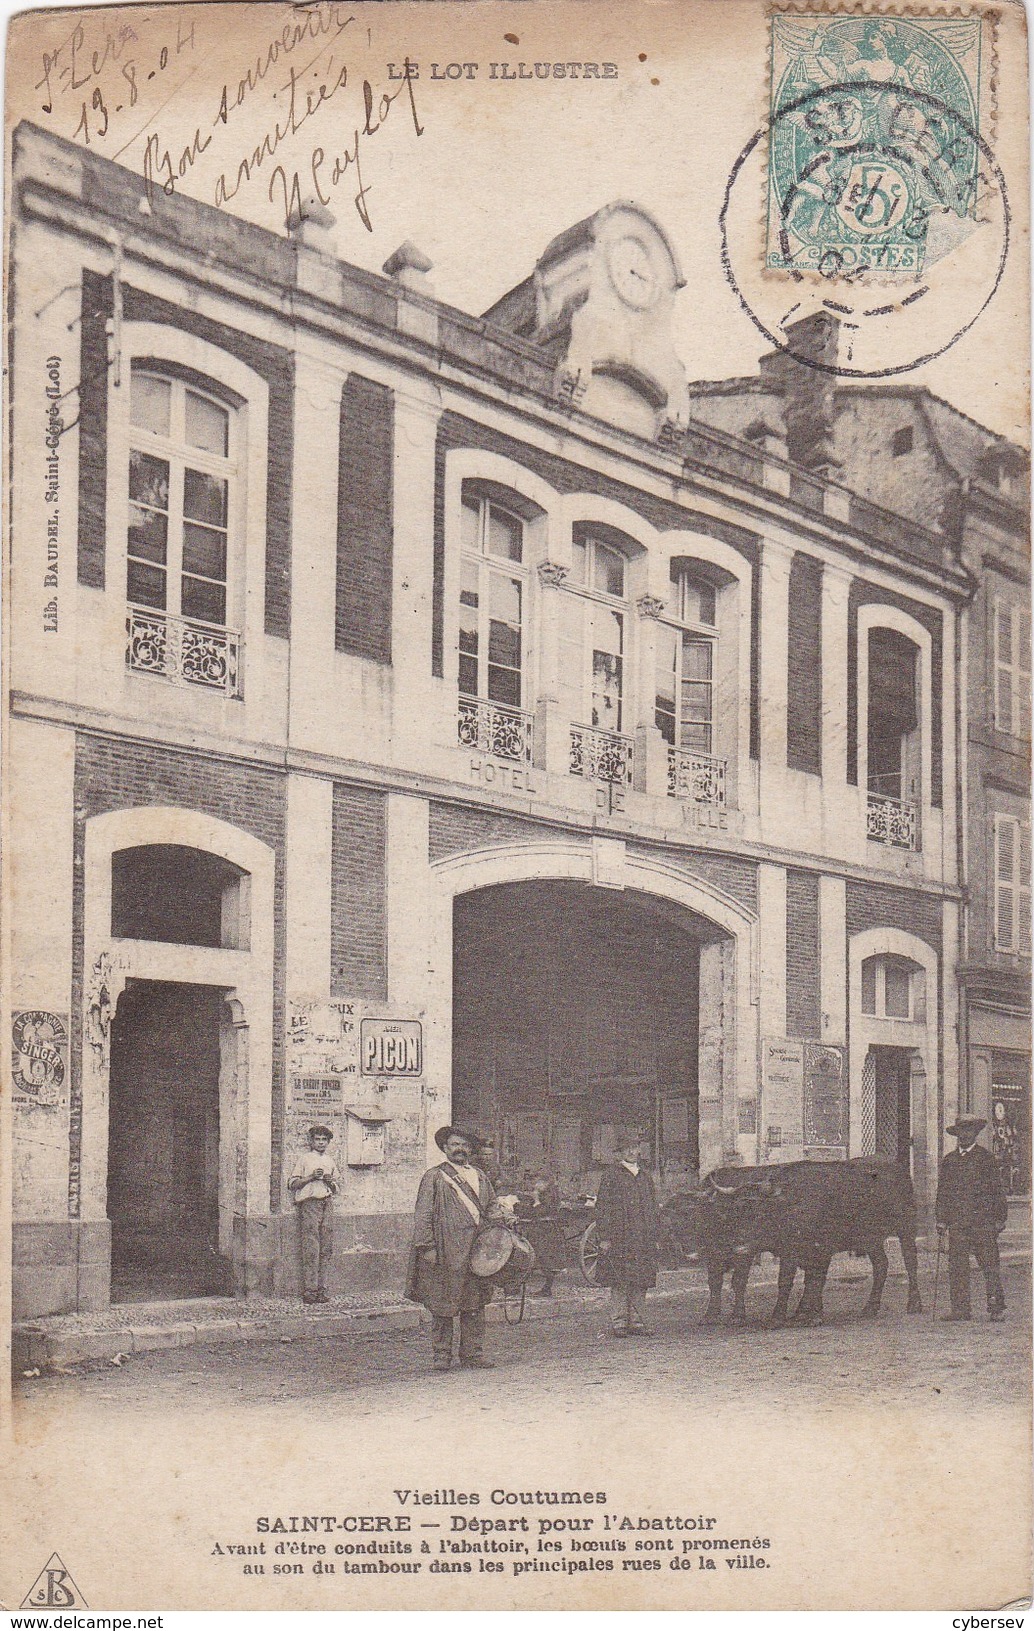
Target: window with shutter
x=1012, y=885
x=1012, y=668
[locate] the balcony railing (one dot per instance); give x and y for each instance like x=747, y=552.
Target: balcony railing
x=601, y=756
x=697, y=777
x=495, y=728
x=892, y=821
x=183, y=650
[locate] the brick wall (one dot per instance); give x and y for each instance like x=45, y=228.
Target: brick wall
x=868, y=594
x=804, y=666
x=358, y=921
x=566, y=477
x=736, y=878
x=883, y=906
x=455, y=831
x=802, y=954
x=272, y=363
x=113, y=773
x=362, y=617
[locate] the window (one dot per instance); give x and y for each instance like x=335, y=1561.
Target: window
x=1012, y=885
x=901, y=441
x=600, y=568
x=492, y=594
x=893, y=715
x=181, y=479
x=893, y=988
x=1012, y=668
x=686, y=666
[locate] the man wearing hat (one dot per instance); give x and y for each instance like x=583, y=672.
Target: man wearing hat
x=451, y=1205
x=971, y=1207
x=627, y=1225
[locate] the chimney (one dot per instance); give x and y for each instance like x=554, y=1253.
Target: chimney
x=808, y=391
x=409, y=267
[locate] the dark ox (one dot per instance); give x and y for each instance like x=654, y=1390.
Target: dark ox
x=803, y=1213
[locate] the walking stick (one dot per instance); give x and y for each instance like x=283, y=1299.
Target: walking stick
x=936, y=1275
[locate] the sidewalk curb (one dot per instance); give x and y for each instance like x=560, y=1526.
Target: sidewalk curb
x=33, y=1347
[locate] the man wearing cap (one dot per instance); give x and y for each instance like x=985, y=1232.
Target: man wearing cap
x=452, y=1202
x=627, y=1225
x=971, y=1207
x=312, y=1185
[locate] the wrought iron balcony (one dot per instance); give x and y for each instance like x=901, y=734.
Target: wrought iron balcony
x=697, y=777
x=495, y=728
x=892, y=821
x=183, y=650
x=601, y=756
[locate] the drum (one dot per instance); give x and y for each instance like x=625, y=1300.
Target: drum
x=498, y=1249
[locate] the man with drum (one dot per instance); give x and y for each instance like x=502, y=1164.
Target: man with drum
x=453, y=1201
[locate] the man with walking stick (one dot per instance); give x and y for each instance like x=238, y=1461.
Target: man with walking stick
x=972, y=1210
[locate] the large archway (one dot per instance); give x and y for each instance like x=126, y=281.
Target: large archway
x=589, y=986
x=576, y=1011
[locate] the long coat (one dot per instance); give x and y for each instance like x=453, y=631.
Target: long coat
x=445, y=1225
x=970, y=1194
x=626, y=1216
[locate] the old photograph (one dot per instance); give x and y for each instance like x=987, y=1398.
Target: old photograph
x=516, y=855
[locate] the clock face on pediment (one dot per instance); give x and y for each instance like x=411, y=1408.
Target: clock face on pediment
x=633, y=272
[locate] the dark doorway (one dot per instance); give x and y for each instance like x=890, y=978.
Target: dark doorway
x=894, y=1104
x=163, y=1143
x=575, y=1012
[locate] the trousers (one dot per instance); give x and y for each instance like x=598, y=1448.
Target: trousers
x=472, y=1336
x=983, y=1245
x=316, y=1219
x=627, y=1306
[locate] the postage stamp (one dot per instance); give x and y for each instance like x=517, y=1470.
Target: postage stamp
x=877, y=126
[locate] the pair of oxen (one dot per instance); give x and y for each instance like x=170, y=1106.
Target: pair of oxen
x=803, y=1213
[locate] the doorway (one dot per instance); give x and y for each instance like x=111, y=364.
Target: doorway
x=894, y=1104
x=576, y=1011
x=163, y=1143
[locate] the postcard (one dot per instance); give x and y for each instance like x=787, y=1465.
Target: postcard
x=516, y=894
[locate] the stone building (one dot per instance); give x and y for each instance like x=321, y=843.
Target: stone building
x=905, y=448
x=420, y=715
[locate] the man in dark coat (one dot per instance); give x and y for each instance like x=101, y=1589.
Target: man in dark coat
x=451, y=1204
x=971, y=1207
x=627, y=1224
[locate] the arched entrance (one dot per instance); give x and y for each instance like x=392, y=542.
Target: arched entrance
x=176, y=1062
x=589, y=988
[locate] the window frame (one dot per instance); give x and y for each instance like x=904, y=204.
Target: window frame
x=179, y=456
x=619, y=605
x=486, y=563
x=1016, y=886
x=699, y=632
x=883, y=960
x=1018, y=722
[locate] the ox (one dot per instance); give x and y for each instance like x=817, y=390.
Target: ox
x=803, y=1213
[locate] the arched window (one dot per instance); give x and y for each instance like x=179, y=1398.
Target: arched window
x=893, y=988
x=183, y=494
x=599, y=570
x=178, y=894
x=894, y=756
x=492, y=600
x=687, y=666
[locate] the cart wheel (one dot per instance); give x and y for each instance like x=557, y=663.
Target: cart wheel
x=589, y=1253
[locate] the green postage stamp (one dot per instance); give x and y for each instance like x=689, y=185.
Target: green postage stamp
x=878, y=141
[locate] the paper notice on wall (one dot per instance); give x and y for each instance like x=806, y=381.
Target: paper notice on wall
x=782, y=1098
x=39, y=1059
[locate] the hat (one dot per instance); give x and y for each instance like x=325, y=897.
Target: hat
x=443, y=1135
x=319, y=1128
x=966, y=1124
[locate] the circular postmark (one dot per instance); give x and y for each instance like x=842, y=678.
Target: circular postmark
x=883, y=206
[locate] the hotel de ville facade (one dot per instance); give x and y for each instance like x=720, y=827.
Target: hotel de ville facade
x=418, y=716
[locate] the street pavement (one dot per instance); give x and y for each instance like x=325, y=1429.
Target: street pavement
x=543, y=1363
x=853, y=1453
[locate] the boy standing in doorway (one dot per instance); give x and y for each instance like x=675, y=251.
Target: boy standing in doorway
x=313, y=1185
